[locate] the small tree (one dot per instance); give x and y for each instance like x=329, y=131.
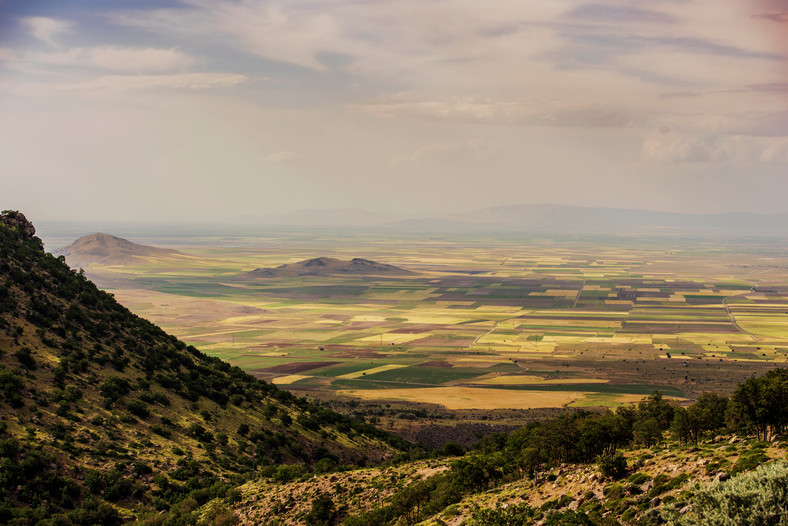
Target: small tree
x=612, y=465
x=322, y=512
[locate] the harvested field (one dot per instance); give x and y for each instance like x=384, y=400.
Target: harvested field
x=473, y=398
x=297, y=367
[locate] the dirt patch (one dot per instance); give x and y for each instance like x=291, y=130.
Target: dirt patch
x=435, y=364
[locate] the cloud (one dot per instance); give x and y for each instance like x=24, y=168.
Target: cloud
x=526, y=113
x=474, y=149
x=133, y=60
x=185, y=81
x=619, y=14
x=774, y=17
x=46, y=29
x=678, y=147
x=282, y=157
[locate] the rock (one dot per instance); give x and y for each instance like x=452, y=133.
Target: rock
x=685, y=510
x=721, y=477
x=574, y=505
x=733, y=439
x=18, y=221
x=656, y=501
x=647, y=486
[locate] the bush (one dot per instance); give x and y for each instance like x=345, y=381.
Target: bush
x=758, y=497
x=114, y=387
x=612, y=465
x=509, y=516
x=25, y=358
x=138, y=408
x=322, y=512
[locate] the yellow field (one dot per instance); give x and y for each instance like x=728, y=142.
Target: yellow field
x=359, y=374
x=470, y=398
x=289, y=379
x=531, y=380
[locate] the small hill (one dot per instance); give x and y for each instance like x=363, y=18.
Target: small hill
x=105, y=418
x=324, y=266
x=106, y=249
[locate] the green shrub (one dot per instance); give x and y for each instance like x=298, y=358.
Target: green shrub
x=509, y=516
x=612, y=465
x=639, y=478
x=757, y=497
x=749, y=461
x=138, y=408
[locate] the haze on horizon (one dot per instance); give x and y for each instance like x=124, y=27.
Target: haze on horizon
x=186, y=109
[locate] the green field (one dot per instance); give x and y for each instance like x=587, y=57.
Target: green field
x=636, y=314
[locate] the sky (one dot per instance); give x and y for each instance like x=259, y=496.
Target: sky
x=195, y=110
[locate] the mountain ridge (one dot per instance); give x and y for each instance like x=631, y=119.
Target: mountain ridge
x=326, y=266
x=536, y=217
x=107, y=418
x=107, y=249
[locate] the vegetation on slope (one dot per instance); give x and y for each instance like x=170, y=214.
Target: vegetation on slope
x=104, y=417
x=616, y=444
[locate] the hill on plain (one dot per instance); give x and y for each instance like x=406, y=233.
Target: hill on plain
x=324, y=266
x=105, y=418
x=107, y=249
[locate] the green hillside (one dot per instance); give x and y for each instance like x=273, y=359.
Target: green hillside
x=105, y=418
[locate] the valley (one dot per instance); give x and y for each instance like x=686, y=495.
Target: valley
x=471, y=322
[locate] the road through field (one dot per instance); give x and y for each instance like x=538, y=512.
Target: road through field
x=475, y=341
x=733, y=318
x=579, y=292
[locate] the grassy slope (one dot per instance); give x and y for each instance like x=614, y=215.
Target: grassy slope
x=656, y=477
x=86, y=385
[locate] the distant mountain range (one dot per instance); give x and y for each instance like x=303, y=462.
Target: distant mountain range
x=536, y=218
x=324, y=266
x=106, y=249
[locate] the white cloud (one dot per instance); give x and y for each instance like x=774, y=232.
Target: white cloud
x=46, y=29
x=668, y=146
x=188, y=81
x=282, y=157
x=474, y=149
x=522, y=112
x=133, y=60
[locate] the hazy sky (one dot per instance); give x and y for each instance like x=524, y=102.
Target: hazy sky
x=192, y=109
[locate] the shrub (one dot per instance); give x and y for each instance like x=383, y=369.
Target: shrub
x=138, y=408
x=612, y=465
x=757, y=497
x=322, y=512
x=25, y=358
x=114, y=387
x=639, y=478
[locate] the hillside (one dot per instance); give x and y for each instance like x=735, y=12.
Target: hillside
x=323, y=266
x=105, y=417
x=658, y=480
x=106, y=249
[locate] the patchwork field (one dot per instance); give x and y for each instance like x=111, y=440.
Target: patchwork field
x=481, y=323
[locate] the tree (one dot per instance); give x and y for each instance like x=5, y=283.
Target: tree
x=322, y=512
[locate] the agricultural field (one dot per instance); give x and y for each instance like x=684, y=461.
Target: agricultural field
x=488, y=322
